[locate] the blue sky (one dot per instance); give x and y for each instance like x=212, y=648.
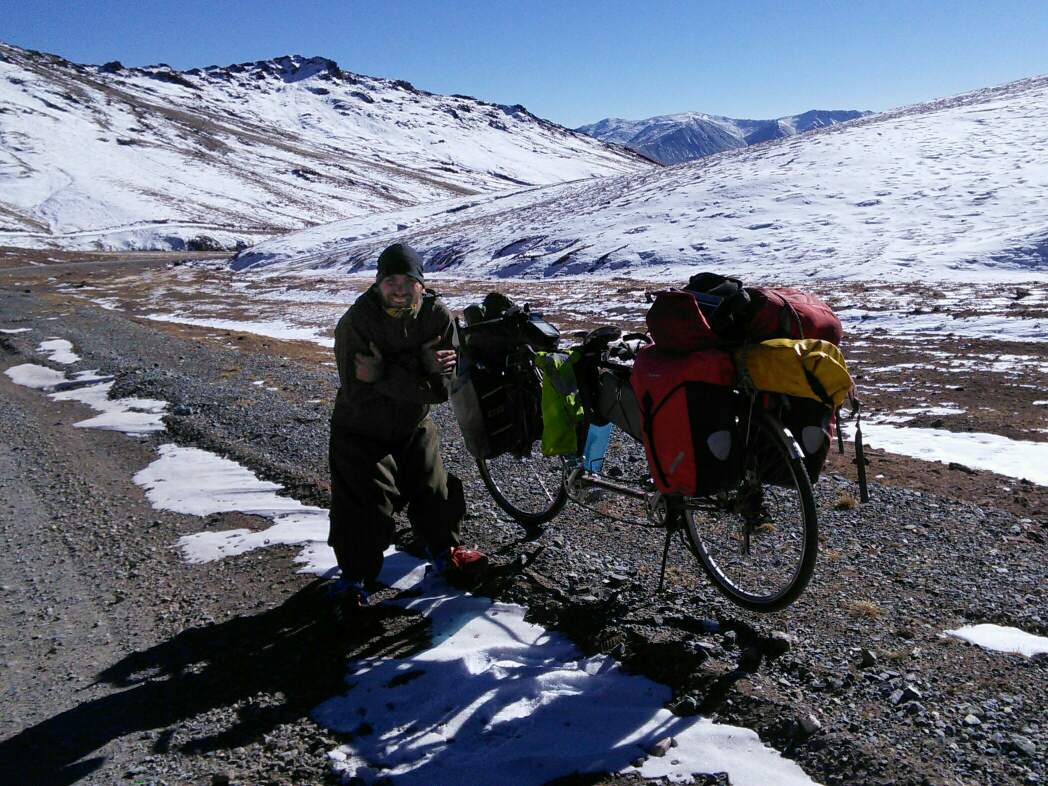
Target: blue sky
x=580, y=61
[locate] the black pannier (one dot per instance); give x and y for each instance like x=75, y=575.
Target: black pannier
x=497, y=389
x=809, y=422
x=616, y=399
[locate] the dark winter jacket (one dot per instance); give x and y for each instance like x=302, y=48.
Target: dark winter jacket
x=390, y=409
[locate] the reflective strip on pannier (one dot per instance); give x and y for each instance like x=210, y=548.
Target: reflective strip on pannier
x=810, y=422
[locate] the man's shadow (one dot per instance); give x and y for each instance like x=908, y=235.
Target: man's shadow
x=296, y=650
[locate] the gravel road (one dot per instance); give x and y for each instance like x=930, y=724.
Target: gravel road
x=122, y=664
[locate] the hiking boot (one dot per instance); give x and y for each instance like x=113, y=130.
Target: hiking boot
x=350, y=601
x=459, y=564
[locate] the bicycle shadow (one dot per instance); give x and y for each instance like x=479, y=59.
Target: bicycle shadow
x=295, y=649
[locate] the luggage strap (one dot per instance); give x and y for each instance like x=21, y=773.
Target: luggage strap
x=860, y=461
x=745, y=381
x=648, y=412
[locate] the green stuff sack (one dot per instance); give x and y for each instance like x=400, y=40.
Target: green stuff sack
x=807, y=368
x=561, y=408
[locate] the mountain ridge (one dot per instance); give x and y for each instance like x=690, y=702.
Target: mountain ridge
x=108, y=156
x=948, y=189
x=685, y=136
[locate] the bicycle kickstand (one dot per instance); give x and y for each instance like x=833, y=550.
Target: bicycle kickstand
x=673, y=523
x=665, y=554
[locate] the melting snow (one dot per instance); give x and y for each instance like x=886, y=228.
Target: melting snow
x=492, y=694
x=1012, y=457
x=498, y=694
x=1002, y=639
x=199, y=483
x=15, y=330
x=31, y=375
x=59, y=350
x=277, y=329
x=132, y=416
x=939, y=410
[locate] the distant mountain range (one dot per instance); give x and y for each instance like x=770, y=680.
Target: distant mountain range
x=116, y=157
x=671, y=139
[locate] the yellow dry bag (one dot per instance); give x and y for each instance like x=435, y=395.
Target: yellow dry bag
x=809, y=368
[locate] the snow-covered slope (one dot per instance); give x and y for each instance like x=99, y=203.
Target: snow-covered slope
x=949, y=189
x=671, y=139
x=149, y=157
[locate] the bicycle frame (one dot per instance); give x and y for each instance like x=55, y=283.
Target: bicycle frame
x=588, y=369
x=755, y=535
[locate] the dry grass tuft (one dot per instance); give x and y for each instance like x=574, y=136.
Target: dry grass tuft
x=864, y=608
x=845, y=502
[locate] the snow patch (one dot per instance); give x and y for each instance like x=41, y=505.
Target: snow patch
x=276, y=329
x=498, y=694
x=1002, y=639
x=938, y=410
x=59, y=350
x=31, y=375
x=1012, y=457
x=199, y=483
x=135, y=417
x=492, y=694
x=132, y=416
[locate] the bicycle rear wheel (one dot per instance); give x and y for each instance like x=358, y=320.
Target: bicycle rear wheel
x=529, y=488
x=758, y=541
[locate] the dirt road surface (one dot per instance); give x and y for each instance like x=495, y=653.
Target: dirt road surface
x=122, y=664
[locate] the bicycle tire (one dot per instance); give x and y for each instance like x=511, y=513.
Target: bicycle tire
x=774, y=475
x=511, y=480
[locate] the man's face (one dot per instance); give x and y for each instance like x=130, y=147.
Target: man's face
x=400, y=291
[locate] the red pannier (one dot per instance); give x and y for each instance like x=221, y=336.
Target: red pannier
x=690, y=416
x=677, y=324
x=790, y=313
x=738, y=313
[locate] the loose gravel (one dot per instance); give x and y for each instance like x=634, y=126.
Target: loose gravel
x=124, y=663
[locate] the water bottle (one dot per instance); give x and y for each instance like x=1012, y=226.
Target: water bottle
x=596, y=446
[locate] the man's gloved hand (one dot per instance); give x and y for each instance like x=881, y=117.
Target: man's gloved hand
x=437, y=361
x=368, y=368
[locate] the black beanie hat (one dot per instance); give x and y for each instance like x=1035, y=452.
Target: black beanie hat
x=400, y=259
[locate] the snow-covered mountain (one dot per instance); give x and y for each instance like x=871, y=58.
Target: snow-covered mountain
x=107, y=156
x=953, y=188
x=671, y=139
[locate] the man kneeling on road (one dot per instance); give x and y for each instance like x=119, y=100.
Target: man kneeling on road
x=395, y=356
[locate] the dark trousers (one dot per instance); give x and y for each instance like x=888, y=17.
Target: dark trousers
x=371, y=481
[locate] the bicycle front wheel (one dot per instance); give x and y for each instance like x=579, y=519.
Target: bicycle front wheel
x=529, y=488
x=758, y=540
